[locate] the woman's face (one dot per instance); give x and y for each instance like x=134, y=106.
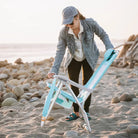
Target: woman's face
x=75, y=24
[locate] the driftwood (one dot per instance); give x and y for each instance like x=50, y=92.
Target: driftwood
x=129, y=53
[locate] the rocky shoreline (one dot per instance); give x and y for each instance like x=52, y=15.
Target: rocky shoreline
x=114, y=107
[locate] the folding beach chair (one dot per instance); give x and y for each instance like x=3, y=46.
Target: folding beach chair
x=66, y=99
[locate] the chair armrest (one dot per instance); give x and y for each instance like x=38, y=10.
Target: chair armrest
x=65, y=79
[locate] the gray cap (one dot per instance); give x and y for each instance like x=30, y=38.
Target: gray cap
x=68, y=14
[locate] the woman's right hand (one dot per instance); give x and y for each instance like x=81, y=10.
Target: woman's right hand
x=50, y=75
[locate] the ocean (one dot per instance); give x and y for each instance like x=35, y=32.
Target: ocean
x=33, y=52
x=27, y=52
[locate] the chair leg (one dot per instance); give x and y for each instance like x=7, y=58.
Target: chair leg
x=48, y=103
x=81, y=107
x=54, y=99
x=86, y=120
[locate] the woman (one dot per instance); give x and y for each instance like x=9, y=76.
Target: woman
x=78, y=36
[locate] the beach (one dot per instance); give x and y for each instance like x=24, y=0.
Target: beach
x=114, y=106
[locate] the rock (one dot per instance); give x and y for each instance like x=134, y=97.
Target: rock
x=119, y=135
x=1, y=85
x=1, y=97
x=118, y=76
x=43, y=97
x=45, y=61
x=56, y=106
x=18, y=91
x=2, y=135
x=39, y=105
x=132, y=95
x=135, y=100
x=32, y=70
x=42, y=84
x=121, y=82
x=9, y=102
x=23, y=101
x=22, y=72
x=18, y=61
x=4, y=63
x=50, y=118
x=13, y=82
x=115, y=100
x=136, y=93
x=125, y=97
x=9, y=95
x=37, y=77
x=70, y=134
x=3, y=76
x=26, y=86
x=132, y=129
x=26, y=96
x=36, y=94
x=34, y=99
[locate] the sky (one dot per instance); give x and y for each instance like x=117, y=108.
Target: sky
x=39, y=21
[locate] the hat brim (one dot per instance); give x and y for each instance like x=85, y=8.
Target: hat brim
x=68, y=21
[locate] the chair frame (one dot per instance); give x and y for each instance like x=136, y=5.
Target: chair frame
x=60, y=81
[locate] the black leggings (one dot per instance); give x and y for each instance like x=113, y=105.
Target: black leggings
x=73, y=72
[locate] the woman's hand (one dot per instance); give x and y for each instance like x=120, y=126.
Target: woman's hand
x=50, y=75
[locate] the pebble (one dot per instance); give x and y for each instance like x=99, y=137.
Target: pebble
x=115, y=100
x=70, y=134
x=33, y=99
x=26, y=86
x=50, y=118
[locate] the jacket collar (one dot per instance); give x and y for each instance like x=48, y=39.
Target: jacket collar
x=86, y=34
x=70, y=31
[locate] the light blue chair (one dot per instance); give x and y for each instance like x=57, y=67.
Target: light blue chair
x=66, y=99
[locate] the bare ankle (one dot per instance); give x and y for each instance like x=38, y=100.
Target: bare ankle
x=77, y=113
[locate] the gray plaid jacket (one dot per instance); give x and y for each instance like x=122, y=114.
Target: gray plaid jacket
x=90, y=49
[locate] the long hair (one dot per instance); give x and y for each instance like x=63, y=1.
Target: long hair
x=81, y=17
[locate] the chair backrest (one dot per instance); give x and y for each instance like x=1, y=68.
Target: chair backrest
x=109, y=57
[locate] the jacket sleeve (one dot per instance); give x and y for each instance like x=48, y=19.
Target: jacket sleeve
x=99, y=31
x=61, y=48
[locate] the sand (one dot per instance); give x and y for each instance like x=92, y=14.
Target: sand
x=109, y=119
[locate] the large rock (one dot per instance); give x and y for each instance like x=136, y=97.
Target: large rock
x=18, y=61
x=9, y=102
x=3, y=76
x=9, y=95
x=4, y=63
x=18, y=91
x=132, y=129
x=13, y=82
x=125, y=97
